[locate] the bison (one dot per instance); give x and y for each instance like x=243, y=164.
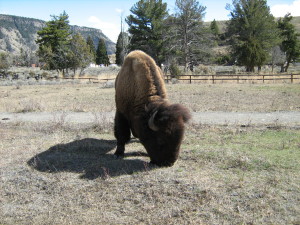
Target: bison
x=142, y=108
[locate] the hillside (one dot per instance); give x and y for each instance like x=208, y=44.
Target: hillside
x=223, y=24
x=296, y=22
x=18, y=33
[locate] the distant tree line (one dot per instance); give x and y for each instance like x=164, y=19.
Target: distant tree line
x=254, y=36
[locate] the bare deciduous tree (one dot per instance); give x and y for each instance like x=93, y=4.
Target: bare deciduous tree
x=277, y=57
x=188, y=38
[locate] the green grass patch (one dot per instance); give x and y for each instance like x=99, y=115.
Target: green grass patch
x=248, y=150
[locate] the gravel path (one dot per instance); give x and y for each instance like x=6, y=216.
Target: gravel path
x=248, y=118
x=289, y=119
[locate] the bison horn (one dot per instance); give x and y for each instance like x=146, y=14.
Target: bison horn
x=151, y=122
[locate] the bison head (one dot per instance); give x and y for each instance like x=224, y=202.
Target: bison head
x=164, y=131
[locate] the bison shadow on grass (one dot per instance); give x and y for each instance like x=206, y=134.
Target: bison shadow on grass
x=89, y=157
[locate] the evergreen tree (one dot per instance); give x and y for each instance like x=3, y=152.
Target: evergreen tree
x=24, y=58
x=214, y=28
x=101, y=54
x=146, y=27
x=90, y=43
x=253, y=31
x=4, y=62
x=121, y=47
x=53, y=42
x=291, y=43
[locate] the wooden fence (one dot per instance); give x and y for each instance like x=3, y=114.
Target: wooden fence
x=239, y=78
x=215, y=78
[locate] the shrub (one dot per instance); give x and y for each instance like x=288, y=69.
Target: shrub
x=174, y=71
x=31, y=74
x=45, y=74
x=222, y=60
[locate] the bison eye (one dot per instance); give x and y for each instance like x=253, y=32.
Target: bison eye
x=163, y=119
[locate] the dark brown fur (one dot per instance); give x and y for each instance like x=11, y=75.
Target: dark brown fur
x=143, y=109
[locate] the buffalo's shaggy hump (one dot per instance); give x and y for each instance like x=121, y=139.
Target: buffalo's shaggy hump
x=144, y=111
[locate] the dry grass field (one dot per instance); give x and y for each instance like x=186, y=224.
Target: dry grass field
x=60, y=173
x=198, y=97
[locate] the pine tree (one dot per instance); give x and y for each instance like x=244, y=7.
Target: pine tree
x=101, y=54
x=53, y=42
x=253, y=31
x=291, y=43
x=90, y=43
x=214, y=28
x=146, y=27
x=121, y=47
x=4, y=62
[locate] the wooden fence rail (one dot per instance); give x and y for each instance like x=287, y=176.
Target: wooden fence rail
x=238, y=77
x=214, y=78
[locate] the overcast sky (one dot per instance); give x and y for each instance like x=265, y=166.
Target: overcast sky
x=106, y=15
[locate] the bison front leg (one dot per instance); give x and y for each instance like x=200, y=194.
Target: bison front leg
x=122, y=133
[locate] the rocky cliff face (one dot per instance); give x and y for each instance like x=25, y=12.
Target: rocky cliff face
x=18, y=33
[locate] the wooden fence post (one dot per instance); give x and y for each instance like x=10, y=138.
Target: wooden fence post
x=190, y=79
x=292, y=78
x=213, y=79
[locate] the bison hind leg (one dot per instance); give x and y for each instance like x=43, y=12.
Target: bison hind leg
x=122, y=133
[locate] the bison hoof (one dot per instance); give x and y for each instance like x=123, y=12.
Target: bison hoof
x=118, y=156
